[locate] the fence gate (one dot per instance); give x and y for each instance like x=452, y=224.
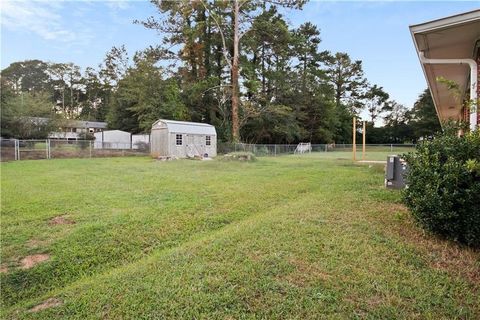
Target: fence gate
x=33, y=149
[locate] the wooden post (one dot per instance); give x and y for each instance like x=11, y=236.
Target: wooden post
x=364, y=134
x=354, y=145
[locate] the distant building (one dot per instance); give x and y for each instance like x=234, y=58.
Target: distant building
x=113, y=139
x=182, y=139
x=77, y=129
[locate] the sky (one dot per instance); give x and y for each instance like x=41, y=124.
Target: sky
x=83, y=31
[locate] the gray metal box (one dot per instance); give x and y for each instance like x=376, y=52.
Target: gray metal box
x=394, y=172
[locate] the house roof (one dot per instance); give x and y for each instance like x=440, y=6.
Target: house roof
x=73, y=123
x=185, y=127
x=86, y=124
x=454, y=37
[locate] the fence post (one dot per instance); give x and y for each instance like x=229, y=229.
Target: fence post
x=49, y=149
x=90, y=147
x=17, y=146
x=46, y=148
x=391, y=147
x=275, y=148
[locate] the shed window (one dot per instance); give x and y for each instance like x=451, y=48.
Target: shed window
x=178, y=140
x=208, y=140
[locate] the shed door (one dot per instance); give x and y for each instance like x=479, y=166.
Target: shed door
x=189, y=146
x=190, y=140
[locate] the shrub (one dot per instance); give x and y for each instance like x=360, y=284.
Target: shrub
x=443, y=192
x=239, y=156
x=262, y=151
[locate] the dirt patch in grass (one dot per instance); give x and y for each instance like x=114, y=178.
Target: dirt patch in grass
x=49, y=303
x=32, y=260
x=3, y=269
x=60, y=220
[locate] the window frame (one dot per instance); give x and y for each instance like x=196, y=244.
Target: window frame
x=178, y=138
x=208, y=140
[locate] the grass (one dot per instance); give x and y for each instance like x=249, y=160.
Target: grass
x=302, y=237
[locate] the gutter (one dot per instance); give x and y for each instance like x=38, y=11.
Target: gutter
x=473, y=81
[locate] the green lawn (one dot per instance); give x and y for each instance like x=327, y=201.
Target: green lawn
x=301, y=237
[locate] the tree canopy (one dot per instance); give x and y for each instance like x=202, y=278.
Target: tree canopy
x=239, y=65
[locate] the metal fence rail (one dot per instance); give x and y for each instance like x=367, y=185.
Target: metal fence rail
x=371, y=150
x=14, y=149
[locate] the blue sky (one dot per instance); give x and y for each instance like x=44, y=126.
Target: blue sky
x=83, y=31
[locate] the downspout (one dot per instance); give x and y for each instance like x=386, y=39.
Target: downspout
x=473, y=81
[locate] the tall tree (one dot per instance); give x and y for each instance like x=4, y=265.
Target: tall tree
x=144, y=95
x=424, y=116
x=349, y=85
x=397, y=128
x=347, y=79
x=27, y=116
x=227, y=22
x=27, y=76
x=375, y=101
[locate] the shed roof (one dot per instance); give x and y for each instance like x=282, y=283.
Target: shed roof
x=185, y=127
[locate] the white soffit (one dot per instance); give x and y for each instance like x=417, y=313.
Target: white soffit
x=452, y=37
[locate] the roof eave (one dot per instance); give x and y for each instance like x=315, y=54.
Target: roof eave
x=447, y=22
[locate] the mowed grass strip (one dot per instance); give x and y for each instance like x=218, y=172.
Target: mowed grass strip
x=288, y=237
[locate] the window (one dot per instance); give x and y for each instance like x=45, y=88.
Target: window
x=179, y=140
x=208, y=140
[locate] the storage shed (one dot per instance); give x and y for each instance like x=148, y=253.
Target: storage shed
x=182, y=139
x=112, y=139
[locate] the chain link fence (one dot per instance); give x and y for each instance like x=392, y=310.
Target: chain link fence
x=339, y=151
x=14, y=149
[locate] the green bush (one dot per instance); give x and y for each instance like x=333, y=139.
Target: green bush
x=443, y=192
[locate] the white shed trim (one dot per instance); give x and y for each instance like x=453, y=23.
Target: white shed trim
x=185, y=127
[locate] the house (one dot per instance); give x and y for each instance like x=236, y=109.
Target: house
x=449, y=48
x=112, y=139
x=69, y=129
x=182, y=139
x=77, y=129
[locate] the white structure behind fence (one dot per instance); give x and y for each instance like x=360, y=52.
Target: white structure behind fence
x=180, y=139
x=139, y=141
x=113, y=139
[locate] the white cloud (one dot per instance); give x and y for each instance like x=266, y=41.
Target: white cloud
x=118, y=4
x=40, y=17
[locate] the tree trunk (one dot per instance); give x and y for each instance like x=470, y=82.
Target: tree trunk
x=235, y=73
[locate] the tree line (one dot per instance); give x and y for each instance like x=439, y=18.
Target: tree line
x=238, y=65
